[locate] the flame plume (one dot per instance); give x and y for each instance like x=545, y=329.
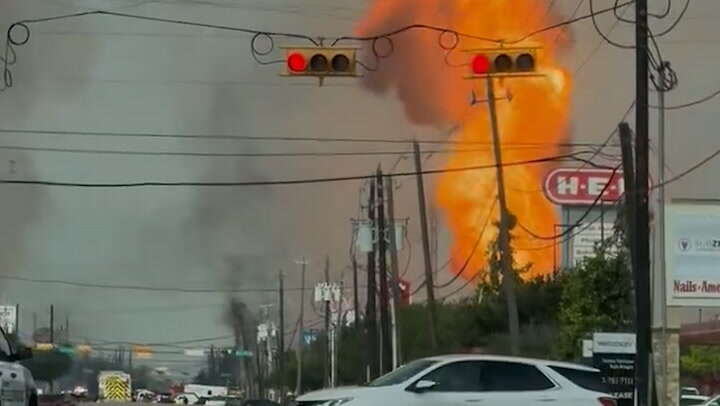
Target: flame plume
x=430, y=82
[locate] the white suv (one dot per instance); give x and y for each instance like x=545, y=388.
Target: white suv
x=474, y=379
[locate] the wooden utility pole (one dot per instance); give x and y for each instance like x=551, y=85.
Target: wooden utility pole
x=395, y=272
x=356, y=297
x=661, y=268
x=326, y=357
x=628, y=164
x=371, y=312
x=429, y=283
x=281, y=338
x=385, y=340
x=52, y=324
x=508, y=275
x=642, y=218
x=301, y=327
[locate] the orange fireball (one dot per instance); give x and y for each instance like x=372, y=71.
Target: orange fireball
x=427, y=72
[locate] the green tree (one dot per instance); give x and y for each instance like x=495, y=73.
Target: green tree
x=49, y=366
x=701, y=362
x=597, y=296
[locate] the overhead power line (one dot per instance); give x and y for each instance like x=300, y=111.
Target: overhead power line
x=19, y=34
x=141, y=287
x=235, y=137
x=151, y=288
x=251, y=31
x=474, y=249
x=692, y=103
x=573, y=156
x=288, y=154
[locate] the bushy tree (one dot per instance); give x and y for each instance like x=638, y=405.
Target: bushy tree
x=701, y=362
x=49, y=365
x=597, y=296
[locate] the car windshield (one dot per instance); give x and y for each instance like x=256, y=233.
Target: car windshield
x=403, y=373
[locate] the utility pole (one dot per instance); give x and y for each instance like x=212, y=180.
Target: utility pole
x=385, y=340
x=371, y=312
x=631, y=204
x=508, y=275
x=211, y=365
x=628, y=164
x=429, y=283
x=660, y=230
x=52, y=324
x=337, y=335
x=327, y=355
x=642, y=219
x=299, y=352
x=281, y=337
x=356, y=298
x=34, y=322
x=394, y=271
x=67, y=327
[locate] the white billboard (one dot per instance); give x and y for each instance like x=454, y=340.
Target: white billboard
x=692, y=247
x=8, y=318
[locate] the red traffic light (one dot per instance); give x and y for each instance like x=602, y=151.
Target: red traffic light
x=480, y=64
x=296, y=62
x=320, y=62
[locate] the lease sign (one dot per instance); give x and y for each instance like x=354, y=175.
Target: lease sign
x=571, y=186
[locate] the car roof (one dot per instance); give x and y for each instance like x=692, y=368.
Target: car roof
x=487, y=357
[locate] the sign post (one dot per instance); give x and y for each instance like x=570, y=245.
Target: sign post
x=614, y=356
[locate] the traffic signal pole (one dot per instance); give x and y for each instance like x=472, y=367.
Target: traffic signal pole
x=508, y=277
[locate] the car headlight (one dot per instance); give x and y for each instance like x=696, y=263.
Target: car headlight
x=335, y=402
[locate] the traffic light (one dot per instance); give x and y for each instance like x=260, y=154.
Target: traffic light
x=321, y=62
x=503, y=62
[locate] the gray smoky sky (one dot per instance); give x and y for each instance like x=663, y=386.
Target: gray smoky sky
x=109, y=74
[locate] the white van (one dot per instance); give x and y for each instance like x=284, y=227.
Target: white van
x=17, y=386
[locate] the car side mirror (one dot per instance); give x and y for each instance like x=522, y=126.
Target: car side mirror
x=423, y=386
x=22, y=353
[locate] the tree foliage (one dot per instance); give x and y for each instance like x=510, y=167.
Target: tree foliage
x=701, y=362
x=555, y=312
x=597, y=296
x=49, y=365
